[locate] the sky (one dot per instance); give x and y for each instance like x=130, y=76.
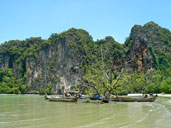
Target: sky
x=21, y=19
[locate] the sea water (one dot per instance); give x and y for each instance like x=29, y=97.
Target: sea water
x=32, y=111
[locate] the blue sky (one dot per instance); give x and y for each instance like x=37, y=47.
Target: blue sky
x=20, y=19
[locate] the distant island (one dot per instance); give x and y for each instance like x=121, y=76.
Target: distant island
x=71, y=60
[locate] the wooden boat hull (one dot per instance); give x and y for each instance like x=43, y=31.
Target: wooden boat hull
x=64, y=99
x=133, y=99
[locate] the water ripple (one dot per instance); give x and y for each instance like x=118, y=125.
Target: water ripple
x=19, y=121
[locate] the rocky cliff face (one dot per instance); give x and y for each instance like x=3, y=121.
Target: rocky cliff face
x=139, y=51
x=150, y=45
x=53, y=64
x=4, y=60
x=56, y=66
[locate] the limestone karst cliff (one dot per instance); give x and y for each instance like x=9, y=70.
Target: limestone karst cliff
x=150, y=44
x=62, y=60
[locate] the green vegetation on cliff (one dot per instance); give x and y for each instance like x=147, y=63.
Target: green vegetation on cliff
x=10, y=83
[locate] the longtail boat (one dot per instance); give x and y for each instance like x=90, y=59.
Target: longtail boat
x=61, y=99
x=133, y=99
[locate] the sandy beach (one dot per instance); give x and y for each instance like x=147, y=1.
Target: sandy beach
x=164, y=95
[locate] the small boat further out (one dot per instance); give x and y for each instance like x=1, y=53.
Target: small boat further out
x=60, y=99
x=63, y=99
x=134, y=98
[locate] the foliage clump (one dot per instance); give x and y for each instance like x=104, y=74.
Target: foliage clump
x=10, y=84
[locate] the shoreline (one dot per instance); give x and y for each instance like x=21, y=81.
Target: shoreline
x=164, y=95
x=159, y=95
x=21, y=94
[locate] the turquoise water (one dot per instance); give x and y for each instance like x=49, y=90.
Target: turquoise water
x=32, y=111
